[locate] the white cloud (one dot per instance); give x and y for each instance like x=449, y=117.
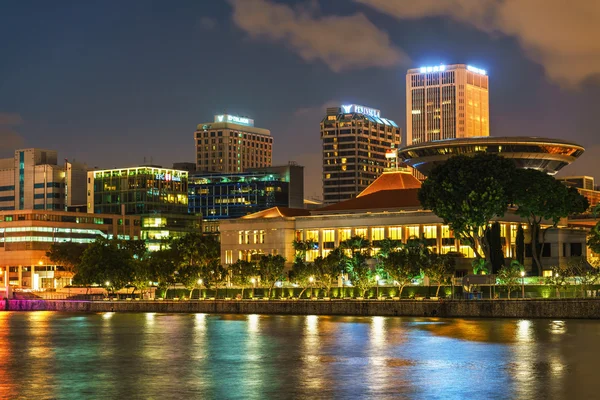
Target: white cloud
x=341, y=42
x=560, y=35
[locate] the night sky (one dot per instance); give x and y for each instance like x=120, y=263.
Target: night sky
x=111, y=82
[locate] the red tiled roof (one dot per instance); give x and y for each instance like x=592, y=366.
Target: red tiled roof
x=276, y=212
x=393, y=180
x=397, y=199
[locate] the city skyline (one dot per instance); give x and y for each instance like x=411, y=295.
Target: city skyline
x=110, y=85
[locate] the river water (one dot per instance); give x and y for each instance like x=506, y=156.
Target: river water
x=201, y=356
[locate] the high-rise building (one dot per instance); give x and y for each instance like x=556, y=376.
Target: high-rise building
x=355, y=141
x=33, y=180
x=232, y=144
x=446, y=102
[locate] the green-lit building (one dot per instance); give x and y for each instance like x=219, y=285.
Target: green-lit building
x=159, y=195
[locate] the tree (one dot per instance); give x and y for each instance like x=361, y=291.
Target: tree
x=106, y=262
x=213, y=275
x=510, y=276
x=520, y=245
x=360, y=273
x=398, y=268
x=328, y=269
x=467, y=192
x=163, y=264
x=67, y=255
x=355, y=244
x=558, y=279
x=587, y=274
x=593, y=241
x=302, y=272
x=440, y=269
x=241, y=273
x=188, y=276
x=539, y=197
x=496, y=252
x=271, y=268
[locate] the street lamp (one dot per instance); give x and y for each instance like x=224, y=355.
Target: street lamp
x=253, y=285
x=377, y=285
x=523, y=284
x=310, y=280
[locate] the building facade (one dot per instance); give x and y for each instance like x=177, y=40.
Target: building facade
x=158, y=195
x=233, y=195
x=388, y=209
x=26, y=236
x=232, y=144
x=33, y=180
x=445, y=102
x=355, y=141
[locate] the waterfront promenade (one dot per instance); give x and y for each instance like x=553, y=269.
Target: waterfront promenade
x=528, y=308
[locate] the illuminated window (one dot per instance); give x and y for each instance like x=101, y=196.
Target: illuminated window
x=261, y=236
x=362, y=232
x=312, y=235
x=377, y=233
x=547, y=273
x=412, y=232
x=345, y=234
x=467, y=251
x=228, y=256
x=430, y=232
x=255, y=237
x=395, y=232
x=328, y=235
x=240, y=237
x=311, y=255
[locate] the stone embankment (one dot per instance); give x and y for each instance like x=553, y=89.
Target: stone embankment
x=554, y=308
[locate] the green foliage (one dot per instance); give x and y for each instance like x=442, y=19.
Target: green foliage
x=405, y=263
x=440, y=269
x=558, y=279
x=361, y=275
x=270, y=269
x=67, y=255
x=302, y=272
x=510, y=276
x=481, y=266
x=540, y=197
x=105, y=261
x=241, y=273
x=327, y=269
x=468, y=192
x=593, y=240
x=301, y=247
x=355, y=244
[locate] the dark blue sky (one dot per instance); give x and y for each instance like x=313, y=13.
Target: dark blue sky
x=110, y=83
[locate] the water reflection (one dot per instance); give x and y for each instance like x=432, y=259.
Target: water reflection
x=112, y=355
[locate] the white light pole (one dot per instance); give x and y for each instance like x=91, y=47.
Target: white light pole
x=523, y=284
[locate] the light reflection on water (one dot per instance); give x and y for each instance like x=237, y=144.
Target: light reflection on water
x=112, y=355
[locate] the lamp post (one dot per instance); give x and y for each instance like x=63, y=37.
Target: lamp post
x=377, y=285
x=310, y=280
x=523, y=284
x=253, y=285
x=107, y=283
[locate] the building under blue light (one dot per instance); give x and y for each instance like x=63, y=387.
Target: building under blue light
x=233, y=195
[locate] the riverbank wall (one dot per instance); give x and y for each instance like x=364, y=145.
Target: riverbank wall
x=549, y=308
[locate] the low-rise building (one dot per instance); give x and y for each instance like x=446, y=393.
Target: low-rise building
x=388, y=208
x=26, y=236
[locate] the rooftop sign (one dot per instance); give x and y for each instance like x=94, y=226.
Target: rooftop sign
x=355, y=108
x=234, y=119
x=438, y=68
x=476, y=70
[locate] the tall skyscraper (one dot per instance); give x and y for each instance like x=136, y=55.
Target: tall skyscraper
x=446, y=102
x=232, y=144
x=355, y=140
